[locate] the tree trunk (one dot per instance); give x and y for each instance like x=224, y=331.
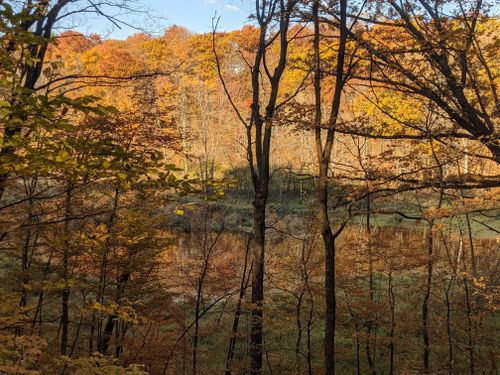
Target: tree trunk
x=298, y=343
x=259, y=228
x=448, y=328
x=65, y=273
x=392, y=304
x=425, y=304
x=324, y=154
x=111, y=322
x=25, y=260
x=330, y=296
x=196, y=326
x=259, y=136
x=25, y=256
x=470, y=340
x=101, y=291
x=237, y=314
x=371, y=290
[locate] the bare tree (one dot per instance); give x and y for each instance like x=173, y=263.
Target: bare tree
x=324, y=148
x=264, y=77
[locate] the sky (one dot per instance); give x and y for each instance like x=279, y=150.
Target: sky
x=196, y=15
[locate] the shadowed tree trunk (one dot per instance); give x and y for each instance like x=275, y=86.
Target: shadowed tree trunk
x=112, y=319
x=324, y=154
x=259, y=135
x=371, y=289
x=65, y=271
x=425, y=303
x=430, y=265
x=392, y=304
x=237, y=313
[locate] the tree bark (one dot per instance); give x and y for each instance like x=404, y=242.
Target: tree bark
x=259, y=240
x=330, y=295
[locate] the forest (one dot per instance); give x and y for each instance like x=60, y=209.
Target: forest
x=313, y=193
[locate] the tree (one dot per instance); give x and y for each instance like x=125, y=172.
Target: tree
x=324, y=149
x=259, y=134
x=442, y=52
x=26, y=35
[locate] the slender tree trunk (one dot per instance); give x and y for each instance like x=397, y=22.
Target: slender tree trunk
x=470, y=334
x=298, y=342
x=471, y=244
x=196, y=326
x=39, y=307
x=448, y=328
x=310, y=317
x=430, y=265
x=120, y=334
x=207, y=252
x=25, y=257
x=199, y=296
x=28, y=243
x=112, y=319
x=259, y=136
x=77, y=334
x=324, y=154
x=103, y=271
x=309, y=333
x=65, y=272
x=468, y=299
x=392, y=304
x=425, y=304
x=237, y=314
x=371, y=290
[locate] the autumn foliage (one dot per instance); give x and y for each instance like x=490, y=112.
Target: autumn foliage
x=315, y=192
